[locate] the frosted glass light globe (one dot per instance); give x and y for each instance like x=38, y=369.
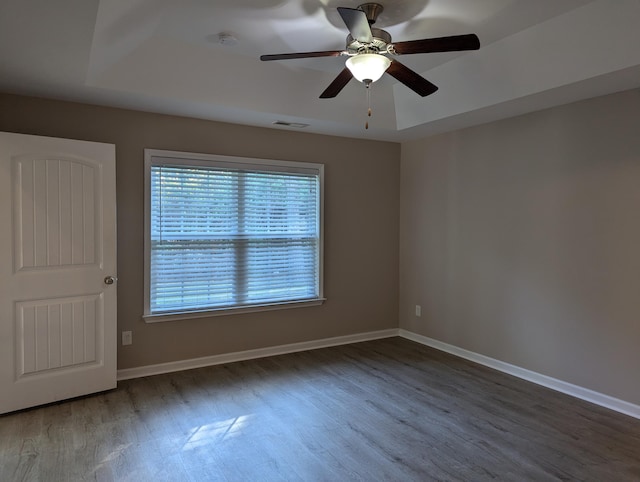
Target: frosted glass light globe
x=368, y=66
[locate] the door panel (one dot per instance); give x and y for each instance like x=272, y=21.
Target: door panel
x=57, y=316
x=58, y=334
x=55, y=213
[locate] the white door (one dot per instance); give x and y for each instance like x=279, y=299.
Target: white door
x=57, y=252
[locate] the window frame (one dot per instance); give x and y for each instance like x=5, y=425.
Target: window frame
x=156, y=157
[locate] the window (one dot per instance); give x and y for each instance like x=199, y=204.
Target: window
x=230, y=234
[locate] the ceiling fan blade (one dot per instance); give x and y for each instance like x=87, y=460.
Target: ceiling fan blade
x=439, y=44
x=303, y=55
x=408, y=77
x=337, y=85
x=357, y=23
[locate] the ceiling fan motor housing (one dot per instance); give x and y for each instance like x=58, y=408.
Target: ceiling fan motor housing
x=381, y=38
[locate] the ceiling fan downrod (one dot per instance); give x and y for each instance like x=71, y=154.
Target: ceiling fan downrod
x=371, y=10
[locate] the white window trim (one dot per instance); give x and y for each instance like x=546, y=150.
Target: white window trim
x=152, y=156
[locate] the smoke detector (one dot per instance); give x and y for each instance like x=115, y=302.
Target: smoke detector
x=227, y=39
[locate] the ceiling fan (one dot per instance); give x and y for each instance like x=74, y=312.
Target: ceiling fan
x=367, y=48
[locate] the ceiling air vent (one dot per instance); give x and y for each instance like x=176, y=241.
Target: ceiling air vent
x=298, y=125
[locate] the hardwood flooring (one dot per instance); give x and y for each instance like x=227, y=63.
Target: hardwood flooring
x=383, y=410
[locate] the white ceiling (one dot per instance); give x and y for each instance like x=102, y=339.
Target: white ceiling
x=164, y=56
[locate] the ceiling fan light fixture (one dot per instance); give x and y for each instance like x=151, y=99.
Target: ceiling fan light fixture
x=368, y=67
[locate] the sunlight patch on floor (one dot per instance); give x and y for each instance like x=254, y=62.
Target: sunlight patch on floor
x=216, y=432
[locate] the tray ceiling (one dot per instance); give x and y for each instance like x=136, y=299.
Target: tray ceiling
x=165, y=56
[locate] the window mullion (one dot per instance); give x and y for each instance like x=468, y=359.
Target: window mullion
x=241, y=248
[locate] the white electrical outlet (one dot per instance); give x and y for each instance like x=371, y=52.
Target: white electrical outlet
x=418, y=310
x=127, y=338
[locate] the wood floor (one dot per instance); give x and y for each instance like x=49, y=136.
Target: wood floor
x=376, y=411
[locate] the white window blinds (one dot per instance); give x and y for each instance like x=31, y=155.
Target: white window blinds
x=228, y=235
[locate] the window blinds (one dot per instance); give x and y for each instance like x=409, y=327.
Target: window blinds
x=225, y=237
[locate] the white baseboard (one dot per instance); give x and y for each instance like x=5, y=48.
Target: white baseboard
x=176, y=366
x=546, y=381
x=549, y=382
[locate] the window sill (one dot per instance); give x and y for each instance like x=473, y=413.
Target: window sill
x=186, y=315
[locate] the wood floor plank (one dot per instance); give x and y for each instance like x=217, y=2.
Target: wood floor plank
x=382, y=410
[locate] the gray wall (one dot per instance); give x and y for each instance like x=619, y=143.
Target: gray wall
x=361, y=225
x=519, y=238
x=521, y=241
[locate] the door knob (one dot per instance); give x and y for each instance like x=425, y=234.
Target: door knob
x=109, y=280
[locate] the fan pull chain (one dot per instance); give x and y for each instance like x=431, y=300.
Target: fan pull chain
x=366, y=124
